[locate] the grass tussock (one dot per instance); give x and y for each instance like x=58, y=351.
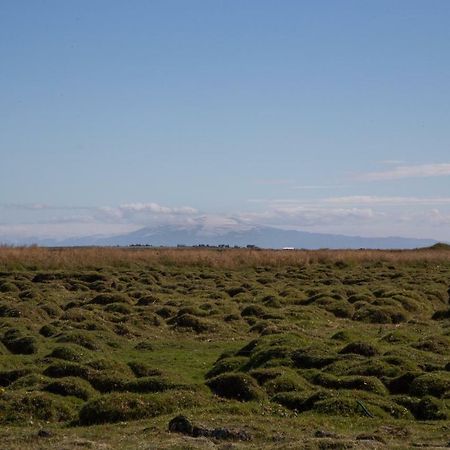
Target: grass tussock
x=286, y=341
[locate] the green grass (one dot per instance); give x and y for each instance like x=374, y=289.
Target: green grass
x=329, y=352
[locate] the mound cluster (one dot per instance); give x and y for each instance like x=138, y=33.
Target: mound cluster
x=88, y=347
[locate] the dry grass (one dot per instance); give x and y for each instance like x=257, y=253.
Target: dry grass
x=94, y=257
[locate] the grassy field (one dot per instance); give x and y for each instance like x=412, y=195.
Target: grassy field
x=101, y=348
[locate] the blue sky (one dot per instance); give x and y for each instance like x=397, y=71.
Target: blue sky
x=324, y=115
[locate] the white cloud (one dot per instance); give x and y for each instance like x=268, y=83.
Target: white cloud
x=155, y=208
x=61, y=230
x=352, y=215
x=400, y=172
x=433, y=217
x=25, y=206
x=46, y=221
x=303, y=215
x=143, y=213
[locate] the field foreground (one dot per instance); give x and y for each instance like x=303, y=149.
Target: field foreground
x=102, y=348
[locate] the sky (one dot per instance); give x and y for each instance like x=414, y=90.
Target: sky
x=322, y=115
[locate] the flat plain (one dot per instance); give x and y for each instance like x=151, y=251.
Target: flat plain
x=101, y=347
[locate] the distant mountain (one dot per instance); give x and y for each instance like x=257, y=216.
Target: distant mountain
x=264, y=237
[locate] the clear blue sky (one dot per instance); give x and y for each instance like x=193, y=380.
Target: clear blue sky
x=325, y=115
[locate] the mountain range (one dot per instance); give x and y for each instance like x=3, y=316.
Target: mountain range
x=264, y=237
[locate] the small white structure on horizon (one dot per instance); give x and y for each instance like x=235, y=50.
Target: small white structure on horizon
x=288, y=248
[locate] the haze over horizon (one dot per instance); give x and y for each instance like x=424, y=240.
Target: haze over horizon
x=325, y=116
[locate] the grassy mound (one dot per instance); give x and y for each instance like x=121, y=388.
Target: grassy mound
x=236, y=385
x=72, y=386
x=21, y=407
x=121, y=407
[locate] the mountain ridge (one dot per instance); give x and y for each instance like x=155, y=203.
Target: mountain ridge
x=262, y=236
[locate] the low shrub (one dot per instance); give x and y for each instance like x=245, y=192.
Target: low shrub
x=226, y=365
x=141, y=369
x=233, y=291
x=430, y=408
x=72, y=386
x=435, y=344
x=253, y=311
x=108, y=364
x=271, y=301
x=193, y=311
x=19, y=344
x=144, y=346
x=69, y=353
x=106, y=299
x=63, y=368
x=121, y=308
x=191, y=322
x=374, y=367
x=341, y=309
x=8, y=287
x=362, y=383
x=29, y=294
x=81, y=339
x=30, y=382
x=433, y=383
x=21, y=407
x=264, y=375
x=295, y=401
x=105, y=381
x=119, y=407
x=441, y=314
x=166, y=311
x=8, y=310
x=380, y=314
x=312, y=358
x=235, y=385
x=149, y=384
x=51, y=309
x=147, y=300
x=76, y=315
x=286, y=382
x=301, y=401
x=10, y=376
x=276, y=355
x=339, y=406
x=360, y=348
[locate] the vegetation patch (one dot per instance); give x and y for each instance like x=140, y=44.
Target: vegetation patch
x=235, y=385
x=120, y=407
x=21, y=407
x=284, y=341
x=18, y=343
x=72, y=386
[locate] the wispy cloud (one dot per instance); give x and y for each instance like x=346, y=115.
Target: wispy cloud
x=438, y=218
x=71, y=220
x=291, y=214
x=25, y=206
x=403, y=171
x=141, y=212
x=155, y=208
x=356, y=214
x=61, y=230
x=378, y=200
